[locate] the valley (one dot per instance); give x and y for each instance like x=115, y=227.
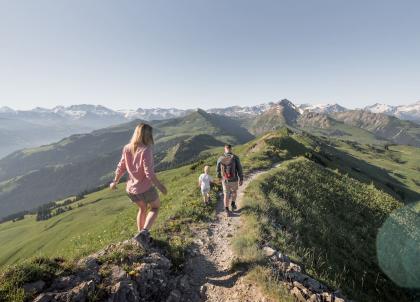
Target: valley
x=345, y=183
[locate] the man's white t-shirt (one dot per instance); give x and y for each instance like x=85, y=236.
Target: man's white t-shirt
x=205, y=180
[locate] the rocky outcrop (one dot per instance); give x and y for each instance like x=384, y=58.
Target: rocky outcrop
x=303, y=287
x=120, y=272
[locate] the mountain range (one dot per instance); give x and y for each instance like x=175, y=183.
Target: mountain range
x=32, y=176
x=29, y=128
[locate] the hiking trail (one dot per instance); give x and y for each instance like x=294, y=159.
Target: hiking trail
x=210, y=266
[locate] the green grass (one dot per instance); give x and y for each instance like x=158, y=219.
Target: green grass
x=316, y=213
x=330, y=221
x=400, y=162
x=106, y=217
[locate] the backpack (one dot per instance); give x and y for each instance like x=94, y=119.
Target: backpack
x=228, y=167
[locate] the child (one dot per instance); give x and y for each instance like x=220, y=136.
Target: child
x=204, y=182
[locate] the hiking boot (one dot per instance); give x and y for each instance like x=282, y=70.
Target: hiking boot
x=227, y=211
x=143, y=237
x=233, y=205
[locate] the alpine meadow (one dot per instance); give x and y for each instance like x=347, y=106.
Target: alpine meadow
x=209, y=151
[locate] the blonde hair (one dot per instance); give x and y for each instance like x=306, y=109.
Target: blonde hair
x=143, y=135
x=206, y=169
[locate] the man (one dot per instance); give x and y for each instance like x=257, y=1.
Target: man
x=229, y=170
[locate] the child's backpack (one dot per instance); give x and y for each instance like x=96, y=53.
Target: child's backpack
x=228, y=166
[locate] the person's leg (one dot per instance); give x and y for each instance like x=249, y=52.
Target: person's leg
x=226, y=198
x=225, y=194
x=141, y=214
x=203, y=194
x=152, y=215
x=233, y=194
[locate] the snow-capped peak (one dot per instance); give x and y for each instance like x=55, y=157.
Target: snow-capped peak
x=5, y=109
x=322, y=108
x=380, y=108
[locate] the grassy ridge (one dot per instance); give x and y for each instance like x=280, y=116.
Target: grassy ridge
x=106, y=217
x=325, y=220
x=400, y=162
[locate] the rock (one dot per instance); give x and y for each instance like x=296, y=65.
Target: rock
x=282, y=257
x=296, y=276
x=44, y=297
x=314, y=285
x=184, y=283
x=174, y=296
x=34, y=287
x=293, y=267
x=117, y=274
x=326, y=297
x=160, y=260
x=268, y=251
x=83, y=291
x=145, y=272
x=79, y=293
x=124, y=291
x=296, y=292
x=315, y=298
x=89, y=262
x=64, y=283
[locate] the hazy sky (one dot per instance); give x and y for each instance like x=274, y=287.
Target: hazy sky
x=187, y=54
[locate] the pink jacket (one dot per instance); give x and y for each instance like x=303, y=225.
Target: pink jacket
x=140, y=169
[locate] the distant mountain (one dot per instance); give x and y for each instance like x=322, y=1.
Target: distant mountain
x=322, y=108
x=405, y=112
x=239, y=111
x=154, y=113
x=34, y=176
x=382, y=125
x=274, y=117
x=29, y=128
x=325, y=125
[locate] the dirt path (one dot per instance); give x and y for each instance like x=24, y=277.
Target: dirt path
x=210, y=267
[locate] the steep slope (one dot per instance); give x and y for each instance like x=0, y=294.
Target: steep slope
x=34, y=176
x=327, y=222
x=325, y=125
x=276, y=116
x=384, y=126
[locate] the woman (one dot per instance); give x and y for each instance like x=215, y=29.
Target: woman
x=137, y=161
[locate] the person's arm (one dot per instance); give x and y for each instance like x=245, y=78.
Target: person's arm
x=239, y=170
x=149, y=170
x=199, y=181
x=120, y=171
x=218, y=169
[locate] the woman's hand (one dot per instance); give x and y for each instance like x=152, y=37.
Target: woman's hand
x=113, y=185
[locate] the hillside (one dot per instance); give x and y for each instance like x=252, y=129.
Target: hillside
x=34, y=176
x=383, y=126
x=360, y=190
x=325, y=221
x=325, y=125
x=276, y=116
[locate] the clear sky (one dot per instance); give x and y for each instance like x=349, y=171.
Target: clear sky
x=188, y=54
